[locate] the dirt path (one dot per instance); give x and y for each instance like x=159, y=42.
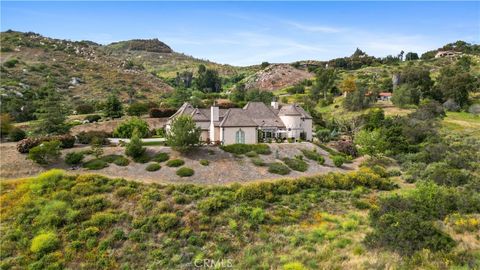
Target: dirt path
x=224, y=168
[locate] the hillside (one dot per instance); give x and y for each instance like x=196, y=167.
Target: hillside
x=277, y=76
x=79, y=69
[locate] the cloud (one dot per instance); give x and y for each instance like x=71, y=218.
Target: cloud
x=315, y=28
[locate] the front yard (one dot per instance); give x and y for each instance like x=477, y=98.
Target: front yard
x=221, y=168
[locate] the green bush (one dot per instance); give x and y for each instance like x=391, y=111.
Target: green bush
x=135, y=148
x=45, y=153
x=161, y=157
x=16, y=134
x=121, y=161
x=93, y=118
x=167, y=221
x=137, y=109
x=204, y=162
x=338, y=160
x=240, y=149
x=296, y=164
x=213, y=204
x=74, y=158
x=126, y=128
x=313, y=155
x=278, y=168
x=153, y=167
x=45, y=243
x=175, y=163
x=257, y=161
x=84, y=109
x=89, y=137
x=251, y=154
x=144, y=158
x=95, y=164
x=111, y=158
x=185, y=172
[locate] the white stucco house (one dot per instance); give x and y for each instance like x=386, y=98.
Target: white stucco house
x=255, y=122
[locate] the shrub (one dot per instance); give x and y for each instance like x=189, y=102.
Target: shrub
x=66, y=141
x=144, y=158
x=89, y=136
x=175, y=163
x=183, y=134
x=161, y=157
x=257, y=161
x=296, y=164
x=45, y=152
x=95, y=164
x=153, y=167
x=74, y=158
x=93, y=118
x=346, y=147
x=121, y=161
x=204, y=162
x=159, y=113
x=251, y=154
x=240, y=149
x=185, y=172
x=338, y=160
x=167, y=221
x=126, y=128
x=278, y=168
x=84, y=109
x=135, y=148
x=137, y=109
x=16, y=134
x=314, y=155
x=213, y=204
x=25, y=145
x=45, y=243
x=111, y=158
x=324, y=135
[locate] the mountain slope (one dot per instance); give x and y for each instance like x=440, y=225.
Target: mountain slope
x=79, y=69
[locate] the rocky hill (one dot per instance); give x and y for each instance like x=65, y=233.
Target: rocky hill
x=277, y=76
x=148, y=45
x=82, y=70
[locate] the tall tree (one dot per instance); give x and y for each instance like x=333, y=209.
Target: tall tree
x=411, y=56
x=324, y=81
x=52, y=114
x=113, y=107
x=183, y=134
x=455, y=83
x=348, y=85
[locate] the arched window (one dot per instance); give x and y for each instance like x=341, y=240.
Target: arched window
x=240, y=136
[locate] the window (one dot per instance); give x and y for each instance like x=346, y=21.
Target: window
x=240, y=136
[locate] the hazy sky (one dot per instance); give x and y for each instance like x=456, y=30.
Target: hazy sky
x=244, y=33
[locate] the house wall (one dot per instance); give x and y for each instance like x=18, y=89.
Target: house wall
x=227, y=135
x=204, y=135
x=297, y=125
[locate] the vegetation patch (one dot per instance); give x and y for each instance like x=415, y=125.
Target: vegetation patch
x=185, y=172
x=95, y=164
x=313, y=155
x=121, y=161
x=240, y=149
x=153, y=167
x=296, y=164
x=278, y=168
x=257, y=161
x=175, y=163
x=204, y=162
x=161, y=157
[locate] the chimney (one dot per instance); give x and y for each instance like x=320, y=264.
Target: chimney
x=274, y=104
x=214, y=113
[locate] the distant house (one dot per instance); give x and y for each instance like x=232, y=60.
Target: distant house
x=441, y=54
x=253, y=123
x=384, y=96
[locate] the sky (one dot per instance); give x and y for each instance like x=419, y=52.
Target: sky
x=246, y=33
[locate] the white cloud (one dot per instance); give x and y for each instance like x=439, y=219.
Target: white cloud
x=315, y=28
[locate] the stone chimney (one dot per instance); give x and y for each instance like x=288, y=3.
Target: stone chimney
x=274, y=104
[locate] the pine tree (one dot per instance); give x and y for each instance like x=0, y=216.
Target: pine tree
x=113, y=107
x=52, y=114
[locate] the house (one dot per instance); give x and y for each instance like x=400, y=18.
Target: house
x=255, y=122
x=441, y=54
x=384, y=96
